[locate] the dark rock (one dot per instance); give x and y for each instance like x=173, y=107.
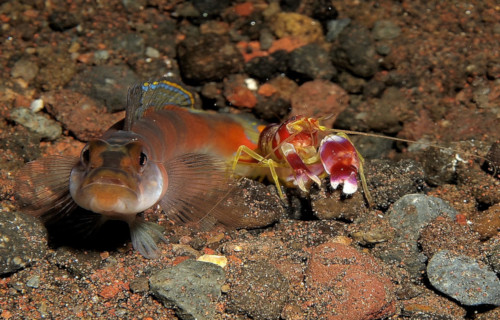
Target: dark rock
x=388, y=181
x=191, y=288
x=463, y=279
x=207, y=58
x=209, y=8
x=258, y=206
x=62, y=20
x=139, y=285
x=266, y=67
x=331, y=204
x=492, y=251
x=272, y=109
x=355, y=51
x=23, y=240
x=107, y=84
x=261, y=292
x=311, y=62
x=324, y=10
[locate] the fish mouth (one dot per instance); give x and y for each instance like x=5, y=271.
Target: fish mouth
x=108, y=197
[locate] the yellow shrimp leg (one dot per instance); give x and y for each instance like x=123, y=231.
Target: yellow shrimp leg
x=269, y=163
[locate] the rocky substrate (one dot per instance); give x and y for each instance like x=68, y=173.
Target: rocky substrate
x=427, y=247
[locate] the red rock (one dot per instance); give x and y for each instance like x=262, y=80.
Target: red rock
x=250, y=50
x=241, y=96
x=320, y=98
x=109, y=291
x=267, y=90
x=346, y=284
x=80, y=114
x=244, y=9
x=288, y=44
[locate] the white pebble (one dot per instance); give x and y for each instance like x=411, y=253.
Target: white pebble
x=36, y=105
x=251, y=84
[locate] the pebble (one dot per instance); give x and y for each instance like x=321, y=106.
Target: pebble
x=36, y=105
x=463, y=279
x=191, y=288
x=266, y=67
x=152, y=52
x=208, y=58
x=286, y=24
x=260, y=292
x=409, y=215
x=319, y=98
x=385, y=30
x=23, y=240
x=355, y=51
x=25, y=69
x=33, y=282
x=46, y=128
x=311, y=62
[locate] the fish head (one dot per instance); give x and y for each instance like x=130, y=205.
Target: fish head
x=117, y=178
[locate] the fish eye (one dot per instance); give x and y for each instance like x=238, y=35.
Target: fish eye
x=143, y=159
x=85, y=155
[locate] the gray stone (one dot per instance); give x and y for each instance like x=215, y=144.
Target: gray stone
x=191, y=288
x=463, y=279
x=25, y=69
x=108, y=84
x=385, y=30
x=335, y=27
x=408, y=216
x=45, y=127
x=23, y=240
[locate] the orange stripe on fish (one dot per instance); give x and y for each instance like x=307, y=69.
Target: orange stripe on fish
x=164, y=152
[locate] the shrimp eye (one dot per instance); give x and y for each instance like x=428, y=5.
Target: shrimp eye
x=143, y=159
x=85, y=155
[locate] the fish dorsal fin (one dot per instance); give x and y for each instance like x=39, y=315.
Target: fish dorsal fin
x=155, y=95
x=198, y=185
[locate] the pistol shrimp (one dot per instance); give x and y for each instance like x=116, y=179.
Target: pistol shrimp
x=300, y=152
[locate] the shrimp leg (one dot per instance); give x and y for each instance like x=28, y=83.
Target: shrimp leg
x=269, y=163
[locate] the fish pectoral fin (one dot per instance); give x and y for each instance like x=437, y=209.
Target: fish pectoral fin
x=144, y=237
x=42, y=187
x=198, y=185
